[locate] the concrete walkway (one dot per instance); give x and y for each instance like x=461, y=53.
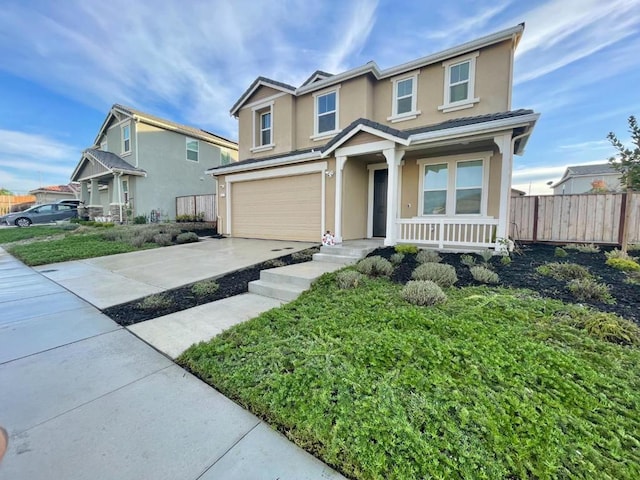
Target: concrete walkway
x=83, y=398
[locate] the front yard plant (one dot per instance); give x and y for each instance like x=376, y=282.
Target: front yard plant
x=440, y=273
x=563, y=271
x=349, y=279
x=423, y=292
x=624, y=264
x=589, y=289
x=484, y=275
x=375, y=267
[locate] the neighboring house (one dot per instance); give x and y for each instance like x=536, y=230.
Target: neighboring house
x=140, y=163
x=517, y=193
x=53, y=193
x=418, y=153
x=588, y=178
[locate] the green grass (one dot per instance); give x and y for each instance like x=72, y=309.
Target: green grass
x=495, y=383
x=72, y=247
x=8, y=235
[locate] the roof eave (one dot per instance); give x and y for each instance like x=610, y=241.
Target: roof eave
x=218, y=171
x=259, y=82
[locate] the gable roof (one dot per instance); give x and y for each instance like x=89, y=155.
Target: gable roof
x=110, y=161
x=317, y=82
x=585, y=171
x=56, y=189
x=147, y=118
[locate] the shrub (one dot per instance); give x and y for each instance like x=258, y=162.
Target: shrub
x=440, y=273
x=375, y=266
x=505, y=260
x=486, y=255
x=615, y=253
x=155, y=301
x=634, y=247
x=428, y=256
x=187, y=237
x=585, y=289
x=140, y=220
x=162, y=239
x=560, y=252
x=624, y=264
x=633, y=278
x=138, y=241
x=583, y=247
x=204, y=288
x=607, y=326
x=274, y=263
x=406, y=249
x=467, y=260
x=563, y=271
x=349, y=279
x=396, y=258
x=423, y=292
x=484, y=275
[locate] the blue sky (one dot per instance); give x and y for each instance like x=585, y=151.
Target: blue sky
x=64, y=63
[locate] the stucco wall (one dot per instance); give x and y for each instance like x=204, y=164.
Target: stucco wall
x=355, y=199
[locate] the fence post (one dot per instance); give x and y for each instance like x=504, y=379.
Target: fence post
x=625, y=212
x=536, y=202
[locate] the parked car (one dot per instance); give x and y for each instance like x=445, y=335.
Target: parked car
x=45, y=213
x=71, y=201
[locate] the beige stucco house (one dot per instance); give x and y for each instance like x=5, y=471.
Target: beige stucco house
x=140, y=163
x=419, y=153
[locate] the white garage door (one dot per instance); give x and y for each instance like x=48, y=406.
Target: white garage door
x=281, y=208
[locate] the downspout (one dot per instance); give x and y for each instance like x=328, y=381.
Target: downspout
x=137, y=145
x=511, y=154
x=120, y=193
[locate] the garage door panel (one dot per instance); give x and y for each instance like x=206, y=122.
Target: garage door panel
x=287, y=208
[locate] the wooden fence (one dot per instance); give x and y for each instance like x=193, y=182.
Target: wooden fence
x=8, y=201
x=584, y=218
x=197, y=204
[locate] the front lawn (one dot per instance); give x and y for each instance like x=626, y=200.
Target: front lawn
x=8, y=235
x=495, y=383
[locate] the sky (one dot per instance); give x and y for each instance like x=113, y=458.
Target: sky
x=64, y=63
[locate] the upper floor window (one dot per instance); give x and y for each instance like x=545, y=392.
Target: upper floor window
x=326, y=114
x=126, y=138
x=192, y=149
x=404, y=106
x=225, y=157
x=262, y=127
x=459, y=83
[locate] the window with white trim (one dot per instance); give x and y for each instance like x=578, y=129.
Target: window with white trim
x=404, y=103
x=265, y=128
x=459, y=83
x=125, y=191
x=193, y=148
x=126, y=138
x=454, y=186
x=262, y=127
x=326, y=114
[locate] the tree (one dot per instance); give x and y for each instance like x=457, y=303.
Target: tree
x=628, y=160
x=4, y=191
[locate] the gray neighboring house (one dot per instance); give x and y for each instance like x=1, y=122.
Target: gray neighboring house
x=140, y=163
x=584, y=178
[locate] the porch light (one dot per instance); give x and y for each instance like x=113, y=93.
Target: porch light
x=329, y=173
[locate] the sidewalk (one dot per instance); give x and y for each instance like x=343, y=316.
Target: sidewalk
x=83, y=398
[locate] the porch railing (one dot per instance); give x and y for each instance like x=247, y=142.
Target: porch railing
x=448, y=232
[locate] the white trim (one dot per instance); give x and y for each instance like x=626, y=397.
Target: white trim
x=122, y=139
x=264, y=164
x=197, y=150
x=257, y=112
x=323, y=206
x=359, y=148
x=137, y=144
x=373, y=147
x=325, y=135
x=414, y=112
x=278, y=172
x=316, y=96
x=263, y=101
x=448, y=105
x=259, y=84
x=372, y=168
x=262, y=148
x=452, y=161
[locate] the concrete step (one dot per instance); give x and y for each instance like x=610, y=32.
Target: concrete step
x=274, y=290
x=350, y=251
x=337, y=259
x=298, y=275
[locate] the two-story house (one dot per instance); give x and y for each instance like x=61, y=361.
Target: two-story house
x=588, y=178
x=140, y=163
x=421, y=152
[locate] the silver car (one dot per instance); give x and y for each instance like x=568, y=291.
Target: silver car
x=45, y=213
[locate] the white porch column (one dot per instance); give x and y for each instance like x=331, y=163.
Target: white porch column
x=340, y=161
x=504, y=145
x=115, y=193
x=393, y=157
x=94, y=198
x=84, y=192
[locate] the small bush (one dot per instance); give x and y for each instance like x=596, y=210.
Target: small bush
x=440, y=273
x=187, y=237
x=633, y=278
x=484, y=275
x=349, y=279
x=634, y=247
x=583, y=247
x=563, y=271
x=428, y=256
x=607, y=326
x=138, y=241
x=396, y=258
x=140, y=220
x=615, y=253
x=467, y=260
x=274, y=263
x=423, y=292
x=406, y=249
x=375, y=266
x=585, y=289
x=153, y=302
x=560, y=252
x=624, y=264
x=505, y=260
x=204, y=288
x=162, y=239
x=486, y=255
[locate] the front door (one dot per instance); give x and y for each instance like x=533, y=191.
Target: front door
x=380, y=203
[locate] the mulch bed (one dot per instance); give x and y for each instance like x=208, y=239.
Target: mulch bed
x=181, y=298
x=521, y=273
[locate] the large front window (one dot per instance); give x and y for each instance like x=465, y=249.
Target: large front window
x=469, y=187
x=436, y=181
x=326, y=108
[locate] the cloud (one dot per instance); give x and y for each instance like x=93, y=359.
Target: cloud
x=590, y=145
x=460, y=24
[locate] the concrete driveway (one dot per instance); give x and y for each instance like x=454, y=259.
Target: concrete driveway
x=115, y=279
x=83, y=398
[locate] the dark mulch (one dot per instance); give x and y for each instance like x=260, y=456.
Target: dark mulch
x=181, y=298
x=521, y=273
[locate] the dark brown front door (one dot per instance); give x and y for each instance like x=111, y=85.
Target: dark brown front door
x=380, y=203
